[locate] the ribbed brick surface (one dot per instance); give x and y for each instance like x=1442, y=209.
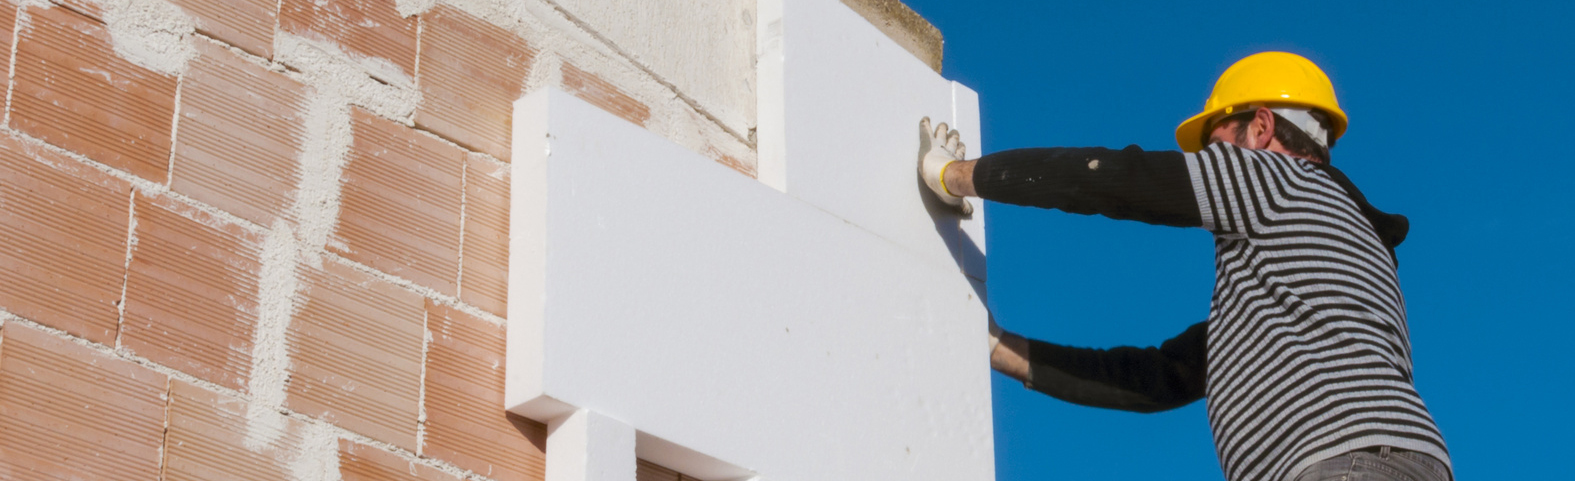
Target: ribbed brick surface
x=191, y=292
x=486, y=262
x=601, y=93
x=68, y=412
x=466, y=423
x=89, y=8
x=359, y=462
x=241, y=130
x=73, y=91
x=400, y=203
x=368, y=28
x=7, y=17
x=246, y=24
x=649, y=471
x=207, y=440
x=471, y=73
x=355, y=354
x=63, y=231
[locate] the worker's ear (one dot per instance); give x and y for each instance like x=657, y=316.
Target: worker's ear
x=1261, y=132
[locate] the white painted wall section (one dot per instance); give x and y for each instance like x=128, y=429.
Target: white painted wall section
x=704, y=48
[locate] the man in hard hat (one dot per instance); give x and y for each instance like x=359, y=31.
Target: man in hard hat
x=1305, y=357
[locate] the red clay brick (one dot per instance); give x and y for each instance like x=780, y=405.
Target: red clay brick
x=71, y=90
x=600, y=93
x=240, y=139
x=7, y=18
x=358, y=462
x=471, y=73
x=649, y=471
x=89, y=8
x=399, y=207
x=466, y=423
x=355, y=354
x=369, y=28
x=246, y=24
x=207, y=440
x=68, y=412
x=732, y=162
x=63, y=231
x=191, y=292
x=485, y=280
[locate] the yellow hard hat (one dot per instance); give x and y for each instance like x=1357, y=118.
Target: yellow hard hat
x=1267, y=78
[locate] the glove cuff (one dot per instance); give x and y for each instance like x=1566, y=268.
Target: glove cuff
x=942, y=175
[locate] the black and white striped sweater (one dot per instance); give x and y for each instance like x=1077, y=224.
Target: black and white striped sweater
x=1305, y=354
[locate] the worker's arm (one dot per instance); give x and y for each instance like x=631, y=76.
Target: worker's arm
x=1126, y=378
x=1152, y=187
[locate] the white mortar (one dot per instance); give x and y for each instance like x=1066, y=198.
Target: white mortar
x=318, y=458
x=277, y=285
x=150, y=33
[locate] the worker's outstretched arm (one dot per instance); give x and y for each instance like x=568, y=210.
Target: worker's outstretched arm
x=1126, y=378
x=1133, y=184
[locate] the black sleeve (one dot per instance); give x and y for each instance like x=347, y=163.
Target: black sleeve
x=1145, y=380
x=1128, y=184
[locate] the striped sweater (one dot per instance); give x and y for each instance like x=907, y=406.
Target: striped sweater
x=1305, y=354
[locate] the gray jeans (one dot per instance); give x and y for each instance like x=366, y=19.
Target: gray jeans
x=1385, y=465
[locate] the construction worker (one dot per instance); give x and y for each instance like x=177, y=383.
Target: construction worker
x=1305, y=357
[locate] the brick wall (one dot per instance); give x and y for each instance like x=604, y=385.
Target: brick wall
x=264, y=239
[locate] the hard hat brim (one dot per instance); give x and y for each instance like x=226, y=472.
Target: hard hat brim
x=1189, y=135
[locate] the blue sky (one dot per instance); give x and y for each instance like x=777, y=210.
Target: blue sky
x=1460, y=119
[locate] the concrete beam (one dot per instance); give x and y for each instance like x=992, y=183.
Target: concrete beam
x=905, y=26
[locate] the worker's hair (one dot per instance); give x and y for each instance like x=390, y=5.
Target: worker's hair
x=1294, y=140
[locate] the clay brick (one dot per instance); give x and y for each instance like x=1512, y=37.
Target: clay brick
x=63, y=231
x=732, y=162
x=466, y=424
x=485, y=280
x=358, y=462
x=649, y=471
x=355, y=354
x=69, y=412
x=368, y=28
x=71, y=90
x=246, y=24
x=8, y=20
x=207, y=439
x=191, y=292
x=240, y=140
x=399, y=207
x=600, y=93
x=90, y=8
x=471, y=73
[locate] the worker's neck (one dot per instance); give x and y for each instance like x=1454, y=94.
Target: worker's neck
x=1277, y=147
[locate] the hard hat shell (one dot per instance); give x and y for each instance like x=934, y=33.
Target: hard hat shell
x=1269, y=78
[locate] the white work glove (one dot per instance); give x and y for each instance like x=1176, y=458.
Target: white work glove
x=937, y=148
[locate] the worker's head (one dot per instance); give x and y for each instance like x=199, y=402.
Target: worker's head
x=1272, y=129
x=1273, y=94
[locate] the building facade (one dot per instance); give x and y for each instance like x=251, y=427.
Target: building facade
x=482, y=239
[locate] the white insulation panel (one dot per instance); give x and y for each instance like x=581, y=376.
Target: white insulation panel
x=821, y=329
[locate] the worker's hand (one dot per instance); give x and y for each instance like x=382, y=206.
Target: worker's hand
x=995, y=334
x=939, y=147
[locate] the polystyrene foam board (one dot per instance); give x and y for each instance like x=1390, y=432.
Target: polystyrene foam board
x=699, y=306
x=852, y=99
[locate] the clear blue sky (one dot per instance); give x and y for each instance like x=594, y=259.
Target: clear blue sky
x=1460, y=119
